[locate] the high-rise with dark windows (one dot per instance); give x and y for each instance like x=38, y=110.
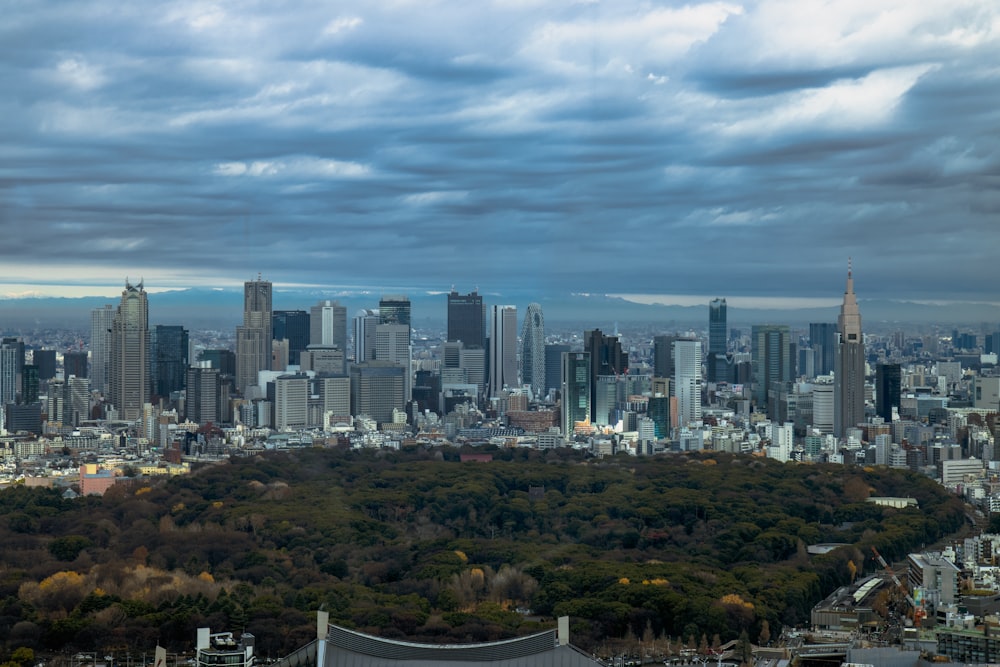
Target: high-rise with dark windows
x=606, y=358
x=823, y=340
x=169, y=357
x=467, y=319
x=888, y=389
x=717, y=346
x=293, y=326
x=533, y=349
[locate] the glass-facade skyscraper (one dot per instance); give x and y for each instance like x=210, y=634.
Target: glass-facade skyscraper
x=533, y=349
x=467, y=319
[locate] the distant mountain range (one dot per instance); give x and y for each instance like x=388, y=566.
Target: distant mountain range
x=223, y=308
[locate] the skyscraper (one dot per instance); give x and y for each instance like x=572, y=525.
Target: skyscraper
x=553, y=365
x=717, y=347
x=823, y=339
x=849, y=373
x=394, y=309
x=128, y=368
x=75, y=363
x=575, y=391
x=392, y=343
x=293, y=326
x=364, y=334
x=687, y=380
x=46, y=362
x=11, y=369
x=533, y=349
x=606, y=358
x=169, y=355
x=663, y=356
x=201, y=404
x=503, y=349
x=467, y=319
x=328, y=325
x=100, y=348
x=771, y=362
x=377, y=389
x=253, y=339
x=888, y=390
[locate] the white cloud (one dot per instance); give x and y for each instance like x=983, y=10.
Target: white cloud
x=294, y=168
x=78, y=73
x=342, y=24
x=850, y=103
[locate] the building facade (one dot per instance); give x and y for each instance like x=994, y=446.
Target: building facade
x=849, y=374
x=100, y=348
x=687, y=381
x=253, y=339
x=533, y=349
x=467, y=319
x=129, y=359
x=575, y=391
x=328, y=324
x=503, y=349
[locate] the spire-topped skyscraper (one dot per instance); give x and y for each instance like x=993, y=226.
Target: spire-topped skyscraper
x=849, y=364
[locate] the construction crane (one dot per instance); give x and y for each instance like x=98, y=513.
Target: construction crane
x=919, y=613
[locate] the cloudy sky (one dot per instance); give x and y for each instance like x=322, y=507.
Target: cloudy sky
x=714, y=148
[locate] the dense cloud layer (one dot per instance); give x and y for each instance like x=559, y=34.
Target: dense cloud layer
x=704, y=148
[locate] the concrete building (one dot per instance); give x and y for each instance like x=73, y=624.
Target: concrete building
x=100, y=348
x=377, y=389
x=253, y=338
x=128, y=377
x=364, y=334
x=392, y=344
x=503, y=349
x=291, y=402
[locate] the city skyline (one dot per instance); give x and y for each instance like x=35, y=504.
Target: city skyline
x=212, y=142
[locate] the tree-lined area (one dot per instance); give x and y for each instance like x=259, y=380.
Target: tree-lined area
x=685, y=548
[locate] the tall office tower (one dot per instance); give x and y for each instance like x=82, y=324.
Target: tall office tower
x=29, y=384
x=687, y=381
x=606, y=358
x=849, y=374
x=533, y=349
x=56, y=402
x=76, y=402
x=605, y=400
x=364, y=334
x=473, y=362
x=503, y=349
x=888, y=390
x=100, y=348
x=75, y=363
x=11, y=369
x=575, y=391
x=717, y=340
x=392, y=343
x=169, y=357
x=334, y=394
x=467, y=319
x=394, y=309
x=823, y=339
x=253, y=339
x=224, y=360
x=46, y=362
x=293, y=326
x=663, y=356
x=291, y=402
x=320, y=359
x=377, y=389
x=328, y=325
x=201, y=404
x=553, y=365
x=771, y=362
x=128, y=368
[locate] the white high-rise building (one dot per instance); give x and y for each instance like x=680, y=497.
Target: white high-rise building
x=687, y=380
x=328, y=325
x=291, y=402
x=533, y=350
x=503, y=349
x=100, y=347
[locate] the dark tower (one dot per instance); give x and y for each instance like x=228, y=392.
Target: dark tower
x=716, y=340
x=606, y=358
x=293, y=326
x=888, y=389
x=467, y=319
